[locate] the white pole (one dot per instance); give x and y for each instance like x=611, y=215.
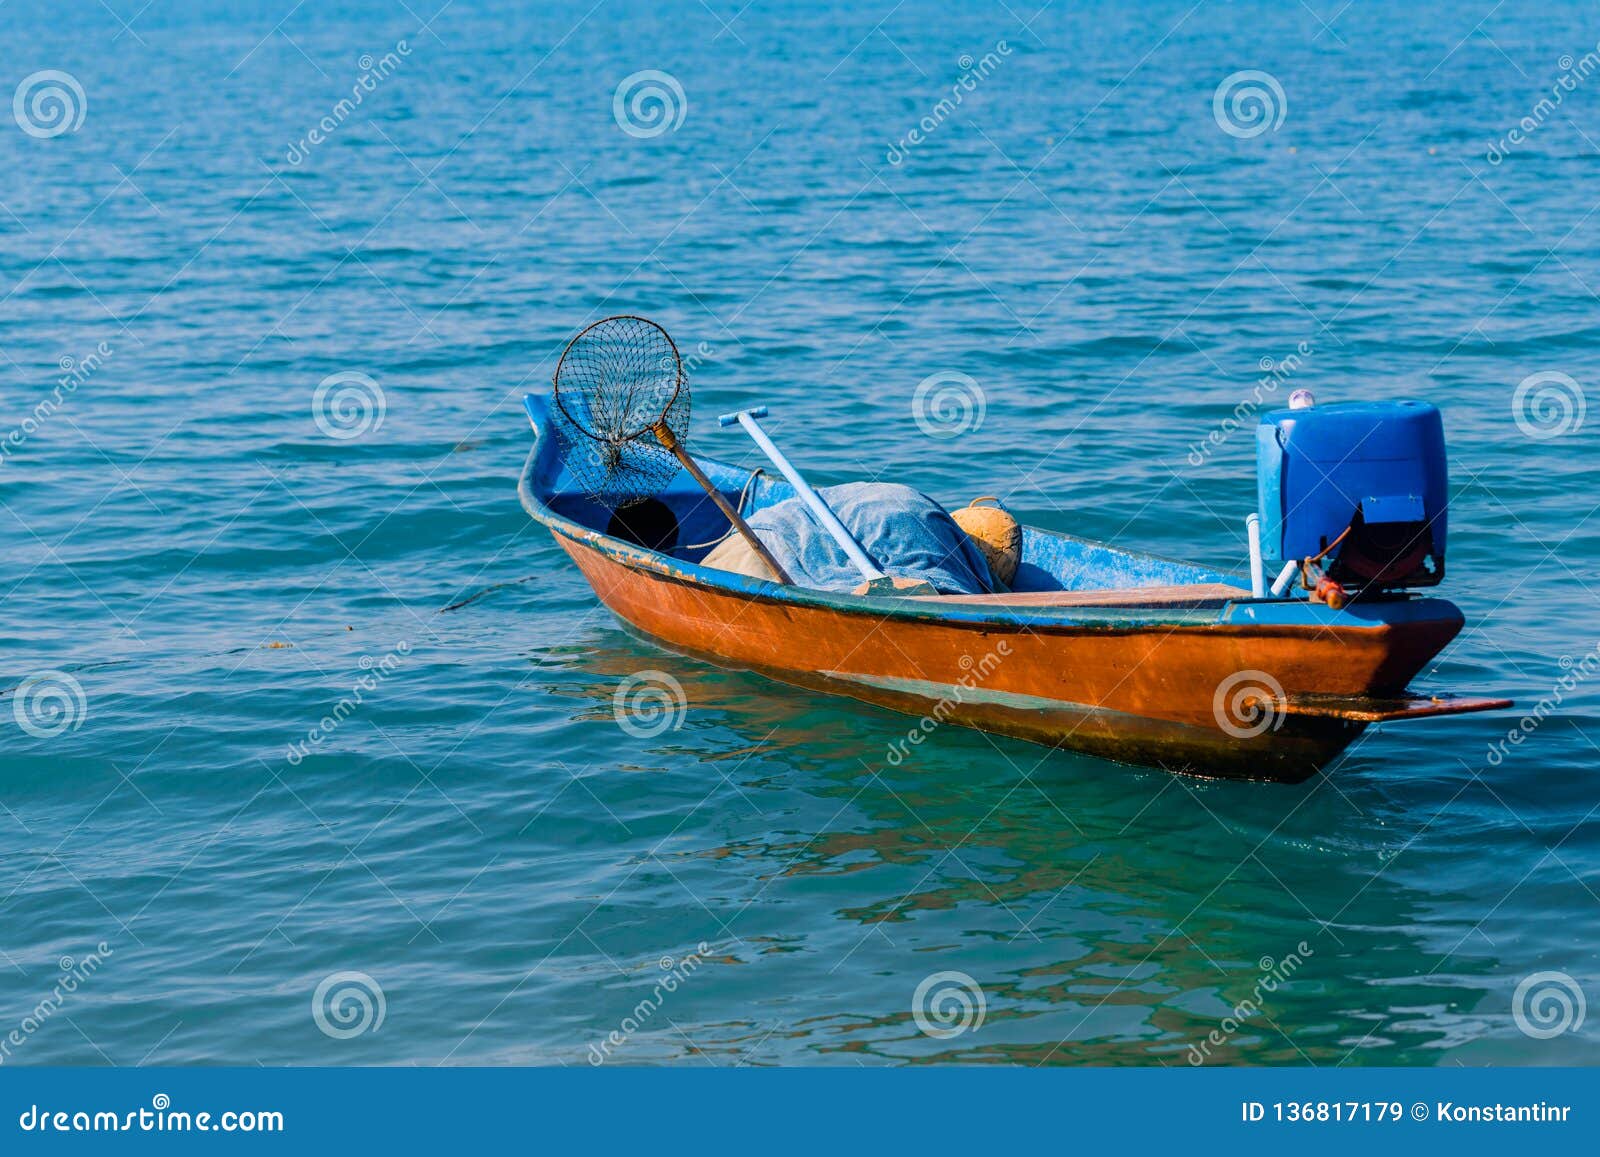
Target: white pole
x=1258, y=566
x=1285, y=577
x=824, y=514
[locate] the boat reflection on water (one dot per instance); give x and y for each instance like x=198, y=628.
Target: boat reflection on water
x=1102, y=916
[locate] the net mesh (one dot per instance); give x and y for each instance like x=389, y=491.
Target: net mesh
x=615, y=382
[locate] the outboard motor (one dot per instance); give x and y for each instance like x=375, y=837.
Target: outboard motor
x=1373, y=472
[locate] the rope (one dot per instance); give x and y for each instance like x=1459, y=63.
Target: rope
x=739, y=506
x=1344, y=534
x=1305, y=567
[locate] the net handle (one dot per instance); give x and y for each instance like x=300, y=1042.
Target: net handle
x=666, y=437
x=670, y=441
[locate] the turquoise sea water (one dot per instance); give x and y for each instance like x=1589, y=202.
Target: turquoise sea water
x=200, y=570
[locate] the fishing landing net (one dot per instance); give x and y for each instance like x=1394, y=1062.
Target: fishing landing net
x=619, y=385
x=621, y=415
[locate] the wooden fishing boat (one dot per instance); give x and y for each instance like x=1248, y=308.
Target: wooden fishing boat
x=1124, y=655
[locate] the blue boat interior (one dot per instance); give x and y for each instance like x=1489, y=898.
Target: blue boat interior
x=683, y=524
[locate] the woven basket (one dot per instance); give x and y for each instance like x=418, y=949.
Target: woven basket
x=998, y=535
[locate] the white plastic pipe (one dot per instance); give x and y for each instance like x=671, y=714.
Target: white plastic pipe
x=823, y=512
x=1258, y=566
x=1285, y=577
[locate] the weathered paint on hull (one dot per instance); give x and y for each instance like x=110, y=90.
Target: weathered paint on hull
x=1137, y=694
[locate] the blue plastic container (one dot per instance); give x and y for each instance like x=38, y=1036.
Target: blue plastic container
x=1378, y=468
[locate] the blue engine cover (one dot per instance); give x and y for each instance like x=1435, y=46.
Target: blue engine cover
x=1318, y=467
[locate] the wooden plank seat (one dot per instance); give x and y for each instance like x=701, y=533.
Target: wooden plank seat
x=1193, y=595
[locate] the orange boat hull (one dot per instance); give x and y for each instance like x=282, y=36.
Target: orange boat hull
x=1154, y=694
